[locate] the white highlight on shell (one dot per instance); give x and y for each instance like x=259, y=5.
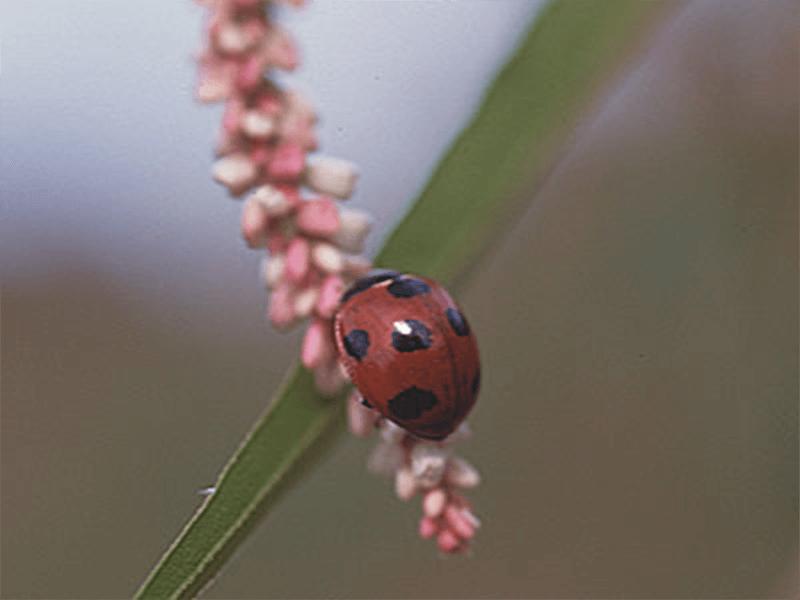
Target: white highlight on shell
x=402, y=327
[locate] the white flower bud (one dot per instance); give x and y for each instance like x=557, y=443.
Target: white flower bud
x=232, y=39
x=258, y=125
x=236, y=172
x=355, y=226
x=462, y=474
x=428, y=464
x=272, y=270
x=304, y=301
x=273, y=200
x=405, y=484
x=332, y=176
x=327, y=258
x=213, y=89
x=434, y=503
x=356, y=266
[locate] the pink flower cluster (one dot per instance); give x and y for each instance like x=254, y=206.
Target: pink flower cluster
x=313, y=245
x=265, y=137
x=427, y=468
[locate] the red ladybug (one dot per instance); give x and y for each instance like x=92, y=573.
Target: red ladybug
x=408, y=348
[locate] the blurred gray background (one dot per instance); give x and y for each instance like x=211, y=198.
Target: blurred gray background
x=638, y=427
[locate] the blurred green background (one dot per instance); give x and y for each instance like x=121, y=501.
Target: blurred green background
x=638, y=426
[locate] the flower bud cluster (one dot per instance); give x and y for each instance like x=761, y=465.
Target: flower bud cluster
x=292, y=211
x=429, y=469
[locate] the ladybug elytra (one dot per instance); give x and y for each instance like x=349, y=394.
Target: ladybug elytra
x=409, y=350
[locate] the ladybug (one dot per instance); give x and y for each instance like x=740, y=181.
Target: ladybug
x=409, y=350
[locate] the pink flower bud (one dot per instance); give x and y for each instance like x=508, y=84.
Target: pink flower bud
x=360, y=418
x=254, y=224
x=297, y=259
x=288, y=162
x=298, y=122
x=318, y=217
x=234, y=108
x=281, y=308
x=268, y=103
x=261, y=154
x=318, y=346
x=277, y=243
x=428, y=528
x=249, y=73
x=329, y=294
x=280, y=51
x=291, y=192
x=447, y=541
x=245, y=4
x=460, y=525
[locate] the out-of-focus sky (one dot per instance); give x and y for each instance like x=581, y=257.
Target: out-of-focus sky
x=106, y=155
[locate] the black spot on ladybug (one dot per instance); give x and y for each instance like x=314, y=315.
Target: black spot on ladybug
x=408, y=288
x=410, y=335
x=356, y=343
x=363, y=284
x=411, y=403
x=476, y=383
x=365, y=403
x=457, y=321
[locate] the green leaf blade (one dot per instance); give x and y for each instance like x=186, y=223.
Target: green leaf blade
x=294, y=432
